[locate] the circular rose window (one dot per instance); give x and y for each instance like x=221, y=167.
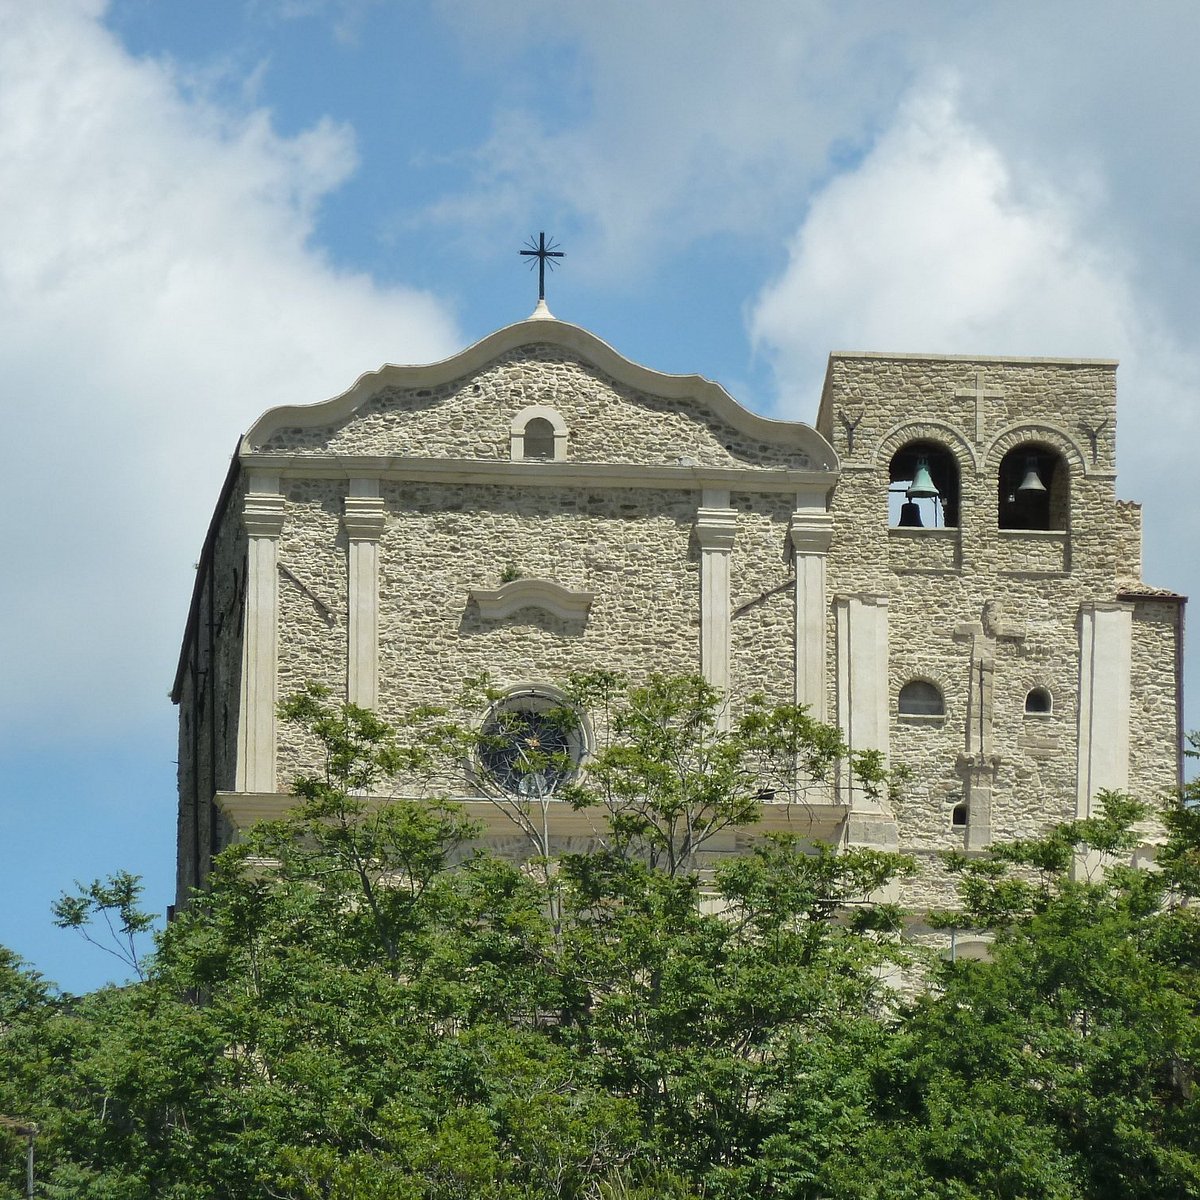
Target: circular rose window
x=530, y=743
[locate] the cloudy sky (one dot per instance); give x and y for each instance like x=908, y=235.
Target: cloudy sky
x=209, y=209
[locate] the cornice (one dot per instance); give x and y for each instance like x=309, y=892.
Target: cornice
x=535, y=332
x=402, y=469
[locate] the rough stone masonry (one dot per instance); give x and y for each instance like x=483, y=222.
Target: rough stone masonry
x=940, y=566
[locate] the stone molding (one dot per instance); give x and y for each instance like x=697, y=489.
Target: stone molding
x=532, y=412
x=1013, y=435
x=828, y=823
x=497, y=603
x=925, y=430
x=263, y=514
x=404, y=469
x=589, y=348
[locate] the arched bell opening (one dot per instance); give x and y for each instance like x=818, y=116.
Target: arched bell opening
x=923, y=487
x=1034, y=488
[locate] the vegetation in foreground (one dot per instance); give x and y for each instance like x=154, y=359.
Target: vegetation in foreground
x=386, y=1015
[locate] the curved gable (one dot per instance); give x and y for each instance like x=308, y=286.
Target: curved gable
x=616, y=410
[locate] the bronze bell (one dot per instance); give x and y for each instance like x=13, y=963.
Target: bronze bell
x=1032, y=481
x=922, y=487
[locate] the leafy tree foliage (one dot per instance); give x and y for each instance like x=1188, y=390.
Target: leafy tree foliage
x=361, y=1005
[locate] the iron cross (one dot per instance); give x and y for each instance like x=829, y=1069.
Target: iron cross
x=541, y=252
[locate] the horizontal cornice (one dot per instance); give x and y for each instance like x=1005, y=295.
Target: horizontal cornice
x=483, y=471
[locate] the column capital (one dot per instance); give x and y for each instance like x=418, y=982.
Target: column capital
x=364, y=518
x=811, y=532
x=716, y=528
x=262, y=514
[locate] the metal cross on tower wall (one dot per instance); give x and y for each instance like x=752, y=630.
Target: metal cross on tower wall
x=541, y=251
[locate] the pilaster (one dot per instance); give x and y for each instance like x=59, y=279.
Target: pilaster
x=862, y=684
x=262, y=518
x=363, y=519
x=716, y=529
x=1105, y=664
x=811, y=533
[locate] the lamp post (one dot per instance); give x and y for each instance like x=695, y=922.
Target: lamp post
x=27, y=1130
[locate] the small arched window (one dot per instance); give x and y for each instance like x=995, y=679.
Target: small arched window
x=923, y=486
x=1038, y=702
x=539, y=439
x=920, y=698
x=958, y=815
x=538, y=434
x=1034, y=488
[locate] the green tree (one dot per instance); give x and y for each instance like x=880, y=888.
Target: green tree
x=1065, y=1064
x=360, y=1005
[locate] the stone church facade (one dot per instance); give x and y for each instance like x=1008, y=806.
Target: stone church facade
x=940, y=566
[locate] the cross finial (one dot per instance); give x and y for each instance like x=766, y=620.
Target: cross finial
x=541, y=251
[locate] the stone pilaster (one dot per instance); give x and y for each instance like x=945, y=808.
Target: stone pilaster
x=1105, y=664
x=262, y=518
x=716, y=528
x=862, y=684
x=811, y=533
x=364, y=519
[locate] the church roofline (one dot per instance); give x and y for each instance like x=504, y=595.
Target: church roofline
x=203, y=569
x=539, y=331
x=824, y=416
x=887, y=356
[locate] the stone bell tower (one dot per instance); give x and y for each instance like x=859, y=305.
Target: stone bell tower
x=990, y=629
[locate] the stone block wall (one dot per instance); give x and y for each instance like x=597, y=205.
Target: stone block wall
x=661, y=492
x=608, y=420
x=1008, y=598
x=207, y=691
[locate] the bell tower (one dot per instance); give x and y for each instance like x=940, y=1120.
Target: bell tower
x=987, y=596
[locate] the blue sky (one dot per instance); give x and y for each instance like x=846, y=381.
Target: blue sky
x=210, y=209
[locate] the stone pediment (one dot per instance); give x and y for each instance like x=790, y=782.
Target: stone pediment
x=613, y=411
x=497, y=603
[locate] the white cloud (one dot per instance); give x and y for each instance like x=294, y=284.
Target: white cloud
x=938, y=242
x=656, y=125
x=157, y=291
x=927, y=245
